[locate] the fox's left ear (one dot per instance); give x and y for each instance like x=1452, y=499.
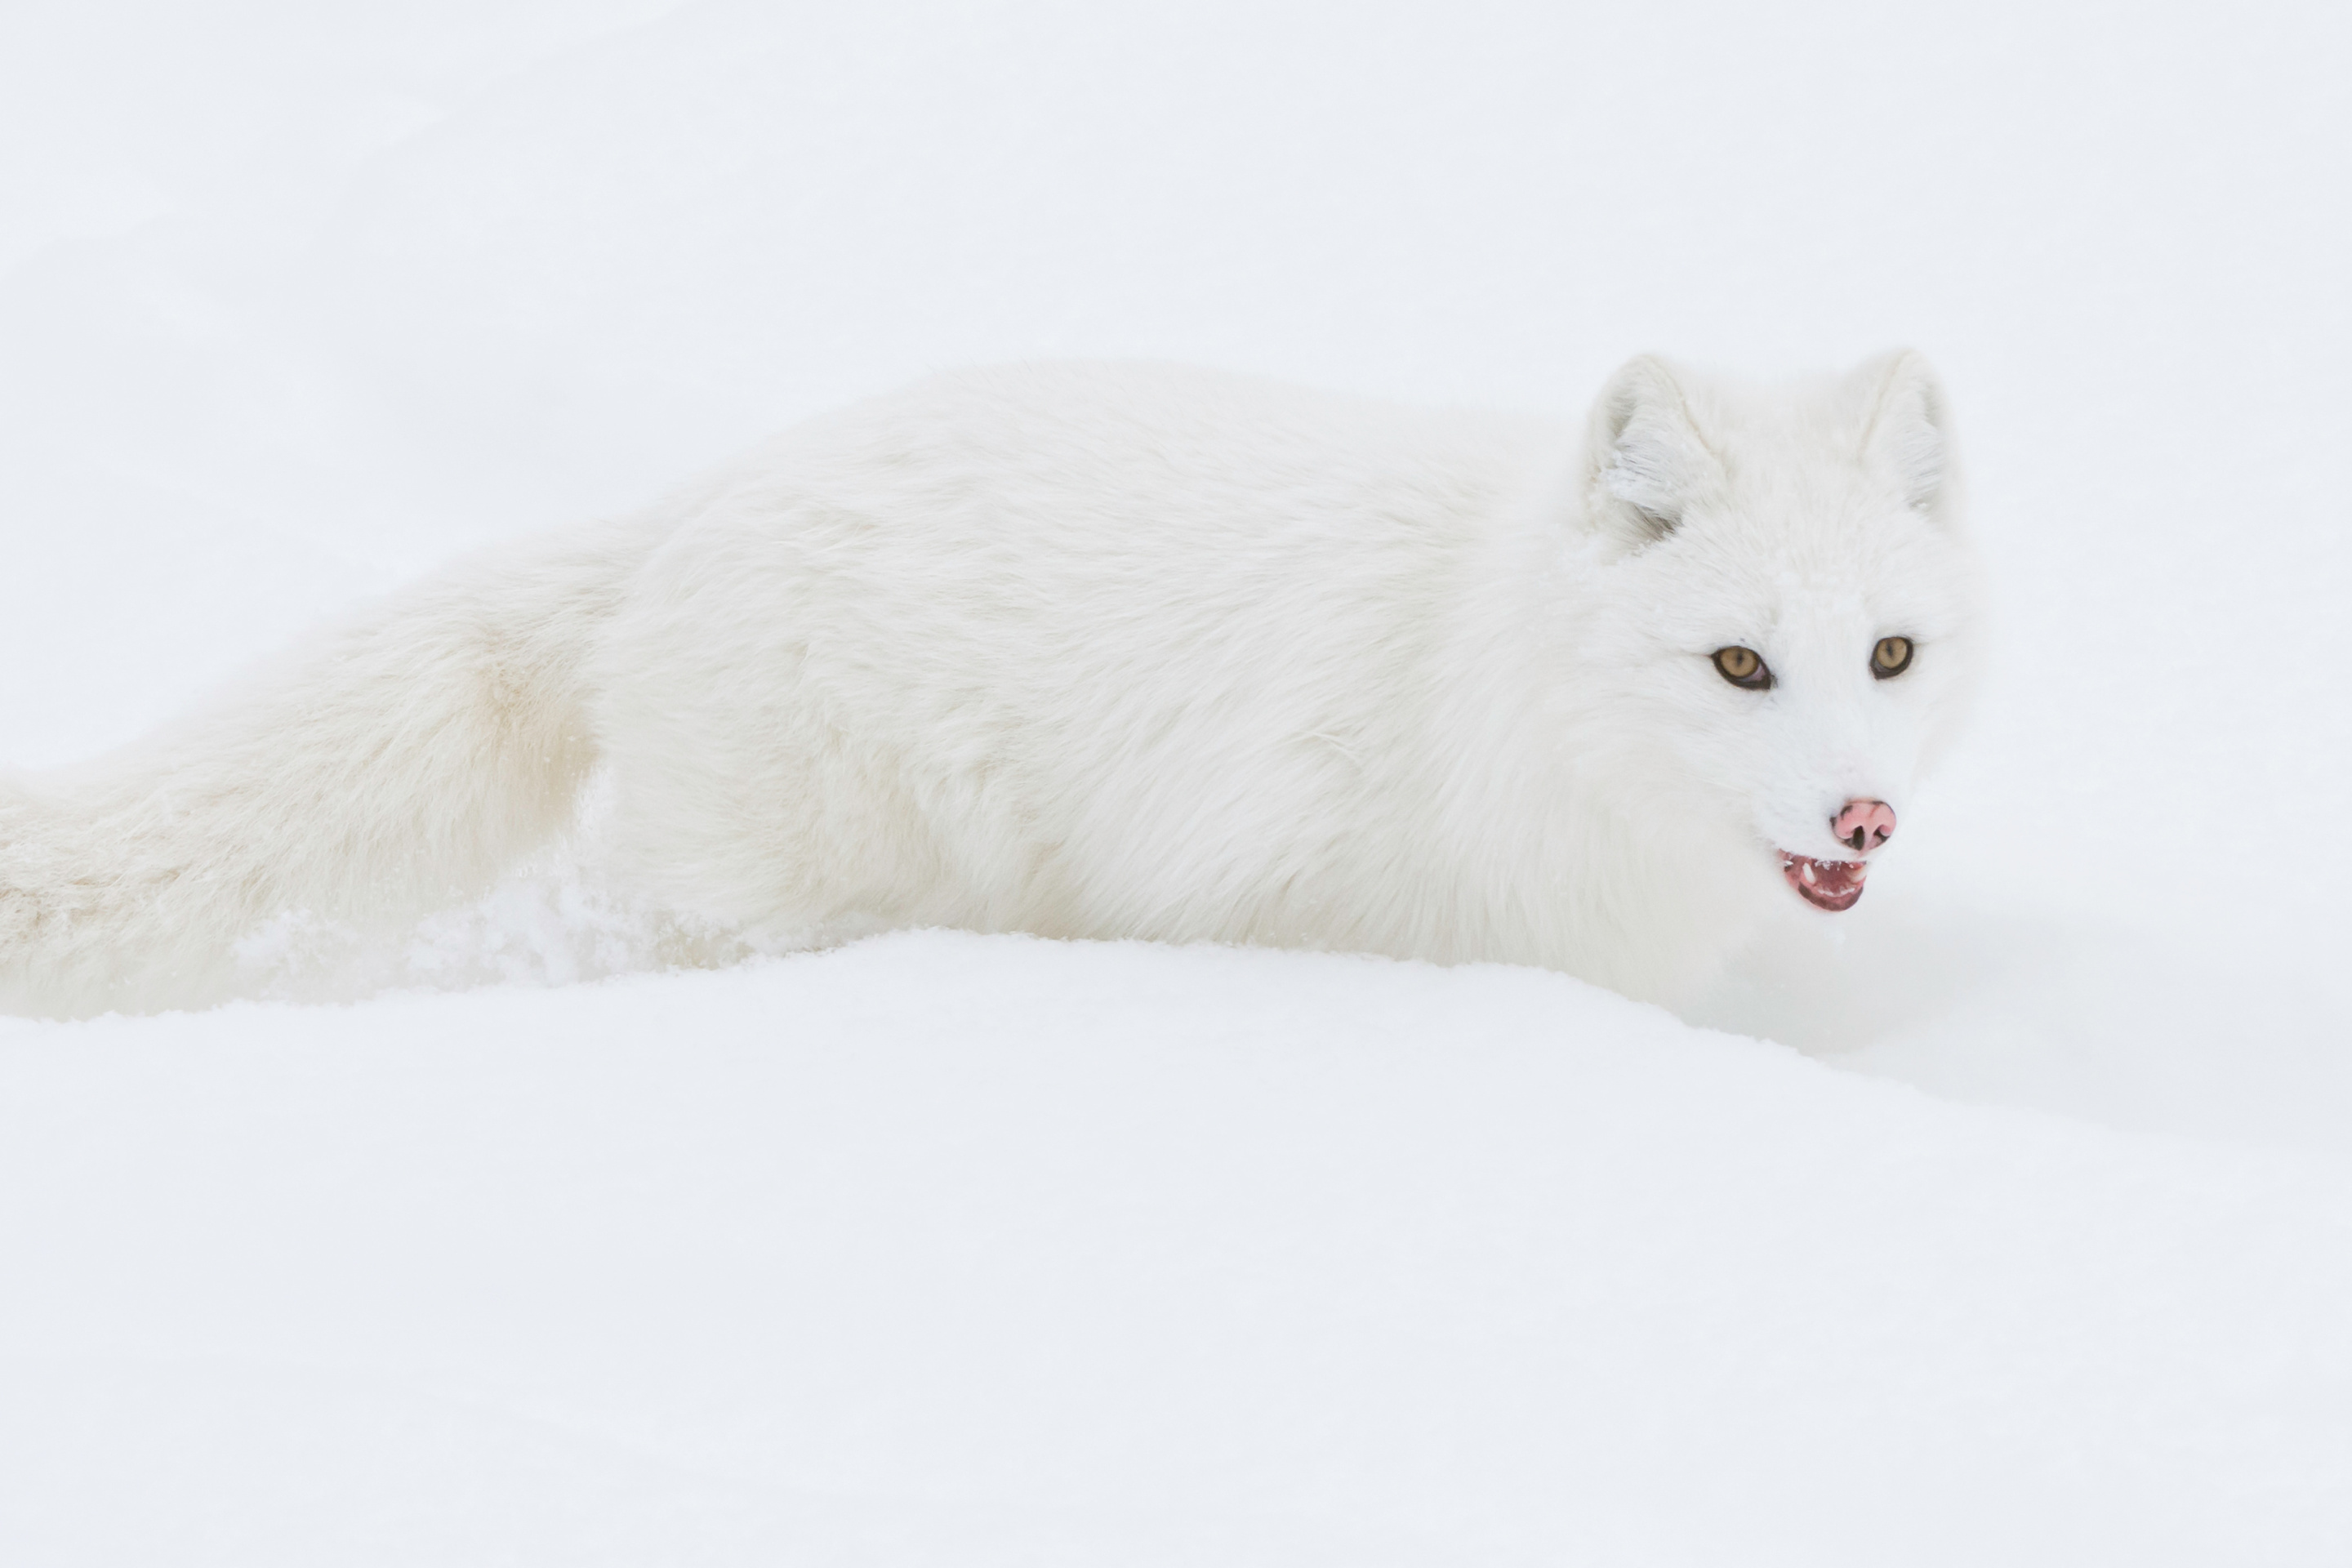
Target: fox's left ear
x=1906, y=430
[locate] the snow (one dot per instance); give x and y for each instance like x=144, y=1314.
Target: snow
x=944, y=1248
x=2010, y=1218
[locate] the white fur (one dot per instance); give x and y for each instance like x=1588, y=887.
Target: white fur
x=1097, y=651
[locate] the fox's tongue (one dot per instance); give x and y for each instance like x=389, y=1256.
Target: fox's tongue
x=1825, y=884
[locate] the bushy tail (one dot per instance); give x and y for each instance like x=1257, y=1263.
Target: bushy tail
x=396, y=763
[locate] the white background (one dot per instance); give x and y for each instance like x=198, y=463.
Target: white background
x=954, y=1251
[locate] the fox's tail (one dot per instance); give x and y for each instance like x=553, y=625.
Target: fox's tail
x=393, y=764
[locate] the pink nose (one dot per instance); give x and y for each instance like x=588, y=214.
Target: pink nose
x=1863, y=824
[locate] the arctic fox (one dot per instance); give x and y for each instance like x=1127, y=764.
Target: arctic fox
x=1105, y=651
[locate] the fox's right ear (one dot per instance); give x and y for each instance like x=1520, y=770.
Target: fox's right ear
x=1643, y=458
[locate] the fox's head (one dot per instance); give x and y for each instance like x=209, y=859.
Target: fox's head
x=1788, y=605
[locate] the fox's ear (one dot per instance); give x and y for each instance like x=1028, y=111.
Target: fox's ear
x=1643, y=458
x=1905, y=431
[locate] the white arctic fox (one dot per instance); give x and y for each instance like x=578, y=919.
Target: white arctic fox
x=1097, y=651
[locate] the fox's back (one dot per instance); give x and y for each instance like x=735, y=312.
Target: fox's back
x=1145, y=621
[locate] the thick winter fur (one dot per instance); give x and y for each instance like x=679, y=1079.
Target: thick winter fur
x=1097, y=651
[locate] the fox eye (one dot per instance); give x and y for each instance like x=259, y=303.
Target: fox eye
x=1891, y=657
x=1743, y=666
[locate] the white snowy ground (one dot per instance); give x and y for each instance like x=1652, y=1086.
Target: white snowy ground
x=2009, y=1220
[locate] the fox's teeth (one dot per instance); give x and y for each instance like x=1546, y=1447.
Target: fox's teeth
x=1806, y=870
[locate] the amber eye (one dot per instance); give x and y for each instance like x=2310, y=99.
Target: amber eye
x=1891, y=657
x=1741, y=666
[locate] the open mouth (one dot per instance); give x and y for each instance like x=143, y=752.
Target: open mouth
x=1831, y=885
